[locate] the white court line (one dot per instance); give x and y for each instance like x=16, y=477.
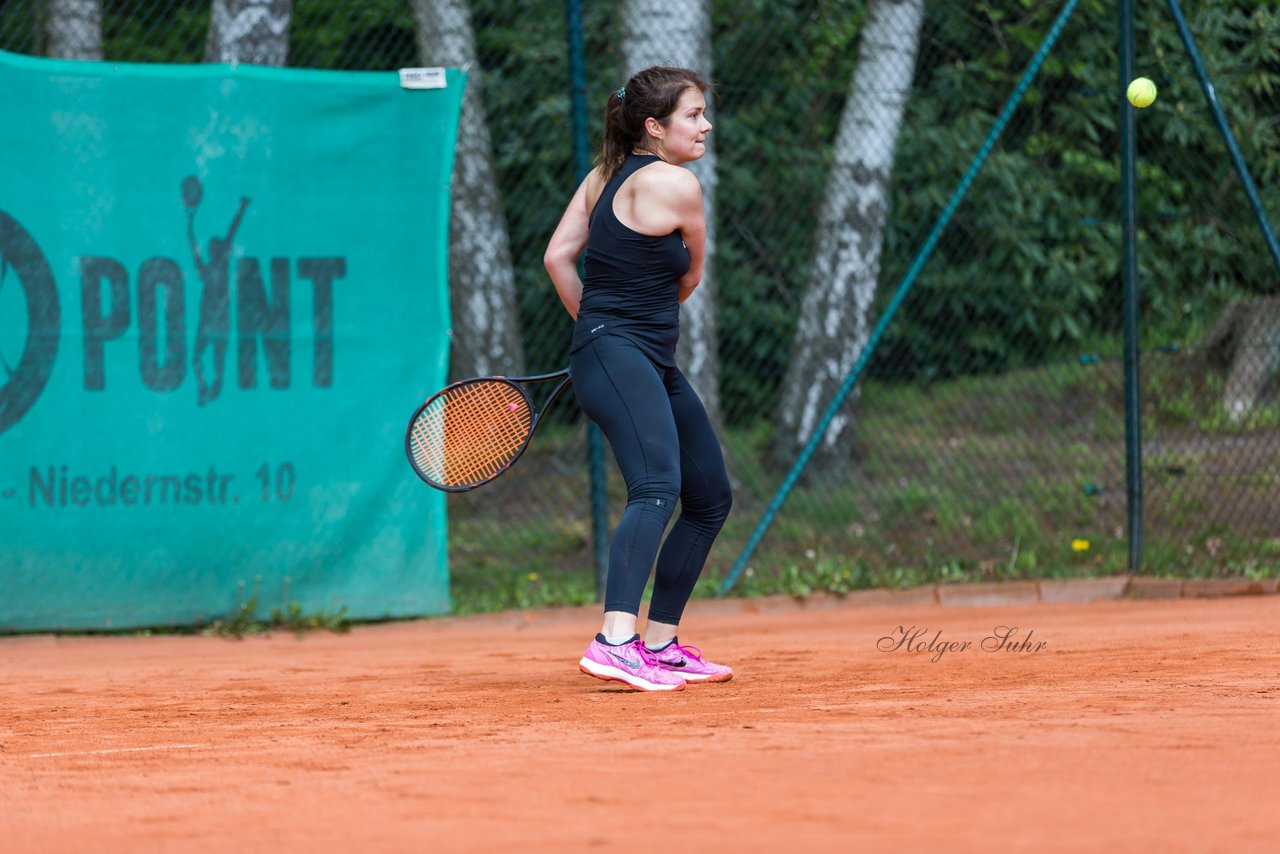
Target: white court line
x=118, y=750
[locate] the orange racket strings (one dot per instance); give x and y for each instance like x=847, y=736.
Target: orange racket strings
x=470, y=433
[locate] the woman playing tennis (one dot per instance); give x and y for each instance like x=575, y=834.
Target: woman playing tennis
x=638, y=216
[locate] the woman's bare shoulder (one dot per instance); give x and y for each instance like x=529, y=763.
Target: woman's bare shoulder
x=670, y=180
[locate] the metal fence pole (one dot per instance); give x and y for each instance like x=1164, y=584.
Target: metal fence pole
x=581, y=164
x=1132, y=386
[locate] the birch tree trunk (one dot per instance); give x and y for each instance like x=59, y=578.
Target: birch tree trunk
x=73, y=29
x=482, y=288
x=833, y=324
x=255, y=32
x=678, y=32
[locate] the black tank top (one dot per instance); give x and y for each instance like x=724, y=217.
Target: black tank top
x=630, y=280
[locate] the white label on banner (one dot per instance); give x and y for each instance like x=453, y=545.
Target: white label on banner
x=422, y=78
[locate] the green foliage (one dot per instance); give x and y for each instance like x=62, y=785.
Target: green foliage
x=175, y=31
x=1030, y=264
x=373, y=35
x=775, y=120
x=500, y=588
x=19, y=39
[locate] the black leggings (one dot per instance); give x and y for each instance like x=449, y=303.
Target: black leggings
x=666, y=449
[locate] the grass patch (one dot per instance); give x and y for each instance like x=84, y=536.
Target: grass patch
x=244, y=620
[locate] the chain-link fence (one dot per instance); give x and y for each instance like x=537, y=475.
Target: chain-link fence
x=985, y=437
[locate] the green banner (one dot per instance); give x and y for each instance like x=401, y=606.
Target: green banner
x=222, y=293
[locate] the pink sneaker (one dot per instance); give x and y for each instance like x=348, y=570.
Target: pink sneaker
x=630, y=663
x=689, y=663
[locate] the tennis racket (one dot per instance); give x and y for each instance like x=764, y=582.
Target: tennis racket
x=470, y=432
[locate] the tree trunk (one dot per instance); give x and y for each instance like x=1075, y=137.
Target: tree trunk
x=486, y=324
x=1246, y=341
x=73, y=29
x=833, y=324
x=255, y=32
x=678, y=32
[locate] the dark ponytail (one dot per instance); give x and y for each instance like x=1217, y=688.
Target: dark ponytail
x=654, y=92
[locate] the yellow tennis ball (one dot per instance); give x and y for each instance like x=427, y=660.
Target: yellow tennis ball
x=1142, y=92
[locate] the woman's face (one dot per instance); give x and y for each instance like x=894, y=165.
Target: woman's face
x=686, y=129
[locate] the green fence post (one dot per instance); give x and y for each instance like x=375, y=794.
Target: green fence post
x=581, y=164
x=1132, y=387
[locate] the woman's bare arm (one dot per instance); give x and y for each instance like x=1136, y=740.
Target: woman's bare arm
x=686, y=203
x=567, y=243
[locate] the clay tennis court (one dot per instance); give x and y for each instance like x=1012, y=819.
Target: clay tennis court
x=1139, y=725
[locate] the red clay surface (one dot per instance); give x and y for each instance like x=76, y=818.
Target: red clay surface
x=1139, y=726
